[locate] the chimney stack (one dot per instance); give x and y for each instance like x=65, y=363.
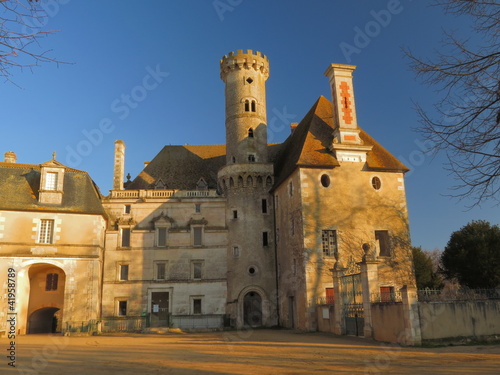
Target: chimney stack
x=344, y=106
x=119, y=166
x=10, y=157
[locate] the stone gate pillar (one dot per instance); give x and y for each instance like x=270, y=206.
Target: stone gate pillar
x=338, y=271
x=412, y=334
x=369, y=282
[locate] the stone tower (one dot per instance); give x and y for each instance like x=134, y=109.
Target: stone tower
x=246, y=180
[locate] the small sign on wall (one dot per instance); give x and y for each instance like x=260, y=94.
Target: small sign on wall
x=326, y=313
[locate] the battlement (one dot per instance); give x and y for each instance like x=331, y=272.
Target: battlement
x=244, y=60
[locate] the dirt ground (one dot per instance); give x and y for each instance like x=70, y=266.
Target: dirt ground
x=239, y=352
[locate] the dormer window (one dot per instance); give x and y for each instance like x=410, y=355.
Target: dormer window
x=201, y=184
x=51, y=181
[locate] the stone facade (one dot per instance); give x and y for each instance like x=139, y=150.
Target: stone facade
x=242, y=234
x=55, y=247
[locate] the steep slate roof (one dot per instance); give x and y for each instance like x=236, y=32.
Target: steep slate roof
x=181, y=167
x=20, y=183
x=308, y=146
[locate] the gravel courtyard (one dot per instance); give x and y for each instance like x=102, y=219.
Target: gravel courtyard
x=244, y=352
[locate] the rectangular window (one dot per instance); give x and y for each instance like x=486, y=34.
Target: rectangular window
x=382, y=237
x=387, y=294
x=197, y=208
x=197, y=236
x=124, y=272
x=197, y=268
x=51, y=181
x=265, y=239
x=51, y=281
x=330, y=295
x=125, y=237
x=127, y=208
x=161, y=237
x=46, y=234
x=122, y=308
x=196, y=305
x=329, y=242
x=235, y=214
x=236, y=251
x=264, y=206
x=160, y=271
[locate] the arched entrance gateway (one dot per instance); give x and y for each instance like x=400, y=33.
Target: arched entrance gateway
x=44, y=320
x=46, y=300
x=252, y=309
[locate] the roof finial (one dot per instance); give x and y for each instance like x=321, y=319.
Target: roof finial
x=54, y=154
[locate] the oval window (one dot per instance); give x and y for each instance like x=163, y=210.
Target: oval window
x=325, y=180
x=376, y=183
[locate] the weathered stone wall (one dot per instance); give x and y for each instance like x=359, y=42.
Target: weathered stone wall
x=75, y=255
x=457, y=319
x=179, y=216
x=325, y=316
x=388, y=321
x=354, y=209
x=292, y=260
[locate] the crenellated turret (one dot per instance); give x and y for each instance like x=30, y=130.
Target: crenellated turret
x=245, y=181
x=245, y=76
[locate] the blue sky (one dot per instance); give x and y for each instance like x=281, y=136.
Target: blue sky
x=80, y=109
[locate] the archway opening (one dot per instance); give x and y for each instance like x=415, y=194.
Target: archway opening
x=46, y=298
x=44, y=320
x=252, y=309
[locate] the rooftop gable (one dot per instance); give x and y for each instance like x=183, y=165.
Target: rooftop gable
x=309, y=146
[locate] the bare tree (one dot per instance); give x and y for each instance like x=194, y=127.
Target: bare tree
x=467, y=124
x=21, y=23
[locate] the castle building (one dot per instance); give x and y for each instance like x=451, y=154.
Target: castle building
x=249, y=232
x=242, y=234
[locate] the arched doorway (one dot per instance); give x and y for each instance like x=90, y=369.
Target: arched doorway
x=46, y=298
x=252, y=309
x=44, y=320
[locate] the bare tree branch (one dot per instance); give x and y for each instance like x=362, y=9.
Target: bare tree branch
x=465, y=122
x=21, y=23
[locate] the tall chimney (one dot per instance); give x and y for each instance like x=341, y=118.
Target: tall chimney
x=347, y=144
x=119, y=167
x=10, y=157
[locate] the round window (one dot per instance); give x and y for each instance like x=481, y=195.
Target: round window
x=325, y=180
x=376, y=183
x=252, y=270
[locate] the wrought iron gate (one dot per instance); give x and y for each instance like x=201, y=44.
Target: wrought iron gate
x=352, y=301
